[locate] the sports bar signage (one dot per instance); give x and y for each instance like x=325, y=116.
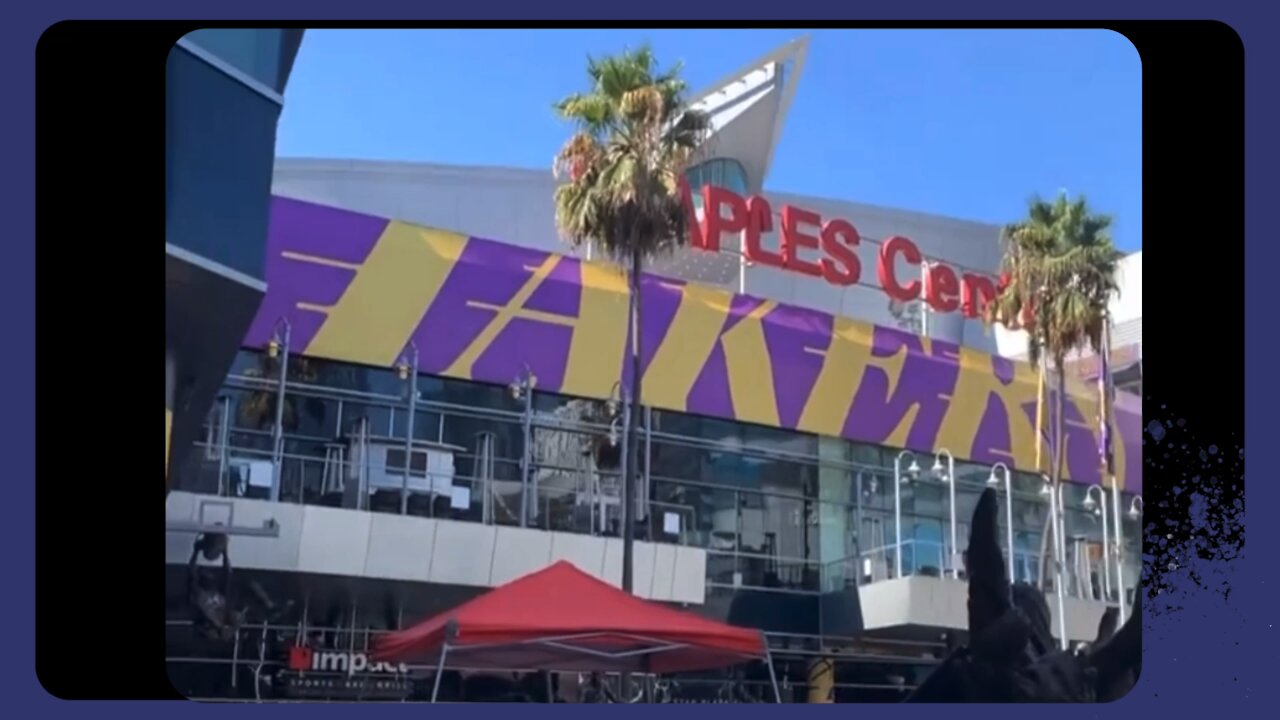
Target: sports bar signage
x=822, y=248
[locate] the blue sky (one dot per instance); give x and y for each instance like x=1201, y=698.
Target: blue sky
x=966, y=123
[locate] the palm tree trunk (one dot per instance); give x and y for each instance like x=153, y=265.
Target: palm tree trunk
x=1057, y=464
x=633, y=429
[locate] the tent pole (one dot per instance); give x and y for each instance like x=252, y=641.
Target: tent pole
x=551, y=693
x=435, y=688
x=773, y=678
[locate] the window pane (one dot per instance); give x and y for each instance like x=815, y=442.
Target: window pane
x=219, y=144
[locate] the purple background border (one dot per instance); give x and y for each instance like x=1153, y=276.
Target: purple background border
x=1192, y=681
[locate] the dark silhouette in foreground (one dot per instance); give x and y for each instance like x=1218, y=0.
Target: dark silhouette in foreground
x=1011, y=656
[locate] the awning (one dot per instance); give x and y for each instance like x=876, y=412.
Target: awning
x=561, y=618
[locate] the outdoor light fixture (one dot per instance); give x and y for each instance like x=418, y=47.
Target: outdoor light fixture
x=521, y=385
x=279, y=346
x=939, y=471
x=993, y=480
x=1135, y=507
x=947, y=474
x=616, y=397
x=1060, y=554
x=1099, y=507
x=913, y=471
x=407, y=369
x=613, y=433
x=279, y=338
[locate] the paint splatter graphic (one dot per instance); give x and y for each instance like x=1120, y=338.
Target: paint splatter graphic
x=1193, y=542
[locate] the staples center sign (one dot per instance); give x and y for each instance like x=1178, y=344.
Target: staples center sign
x=826, y=248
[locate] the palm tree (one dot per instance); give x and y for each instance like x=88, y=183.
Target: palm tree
x=1060, y=265
x=624, y=165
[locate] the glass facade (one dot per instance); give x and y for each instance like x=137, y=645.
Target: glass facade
x=776, y=511
x=220, y=140
x=220, y=133
x=787, y=519
x=720, y=172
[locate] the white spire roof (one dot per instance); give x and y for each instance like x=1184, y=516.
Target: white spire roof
x=749, y=106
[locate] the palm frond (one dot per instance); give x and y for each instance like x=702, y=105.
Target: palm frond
x=1060, y=263
x=634, y=142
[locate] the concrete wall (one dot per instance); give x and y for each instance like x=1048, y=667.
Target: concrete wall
x=943, y=603
x=332, y=541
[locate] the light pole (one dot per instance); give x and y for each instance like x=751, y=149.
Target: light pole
x=619, y=407
x=279, y=346
x=1099, y=507
x=408, y=370
x=522, y=389
x=1060, y=554
x=994, y=481
x=947, y=474
x=913, y=472
x=1135, y=513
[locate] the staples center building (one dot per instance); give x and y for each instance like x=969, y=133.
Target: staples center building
x=794, y=356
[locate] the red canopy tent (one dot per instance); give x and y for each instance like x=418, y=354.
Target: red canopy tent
x=561, y=618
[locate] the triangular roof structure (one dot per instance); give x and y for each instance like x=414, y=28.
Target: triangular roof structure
x=561, y=618
x=748, y=108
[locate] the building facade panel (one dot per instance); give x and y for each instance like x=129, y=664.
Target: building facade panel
x=480, y=310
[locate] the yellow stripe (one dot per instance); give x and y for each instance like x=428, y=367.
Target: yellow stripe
x=750, y=369
x=844, y=364
x=462, y=366
x=600, y=333
x=392, y=290
x=693, y=334
x=974, y=385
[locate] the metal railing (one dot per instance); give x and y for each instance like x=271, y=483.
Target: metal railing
x=770, y=528
x=257, y=651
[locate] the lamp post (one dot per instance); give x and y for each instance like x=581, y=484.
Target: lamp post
x=1099, y=507
x=947, y=474
x=619, y=407
x=1060, y=554
x=1135, y=513
x=279, y=347
x=522, y=389
x=408, y=370
x=913, y=471
x=994, y=481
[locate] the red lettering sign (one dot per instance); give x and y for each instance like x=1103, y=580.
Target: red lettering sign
x=809, y=246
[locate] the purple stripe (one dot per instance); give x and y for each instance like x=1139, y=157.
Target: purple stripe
x=490, y=273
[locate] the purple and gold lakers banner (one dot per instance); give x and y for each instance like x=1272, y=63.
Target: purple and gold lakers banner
x=358, y=288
